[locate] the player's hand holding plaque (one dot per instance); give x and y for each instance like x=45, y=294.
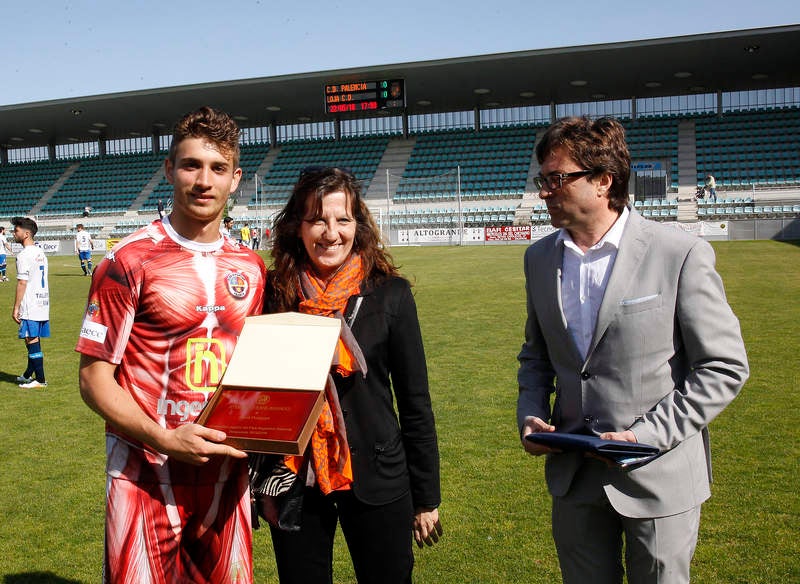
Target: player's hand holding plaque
x=273, y=389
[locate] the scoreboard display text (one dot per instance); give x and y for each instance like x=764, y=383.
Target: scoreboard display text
x=364, y=96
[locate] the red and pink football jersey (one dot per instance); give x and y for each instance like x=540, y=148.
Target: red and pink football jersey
x=168, y=311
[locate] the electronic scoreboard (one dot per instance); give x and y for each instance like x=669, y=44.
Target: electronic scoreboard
x=364, y=96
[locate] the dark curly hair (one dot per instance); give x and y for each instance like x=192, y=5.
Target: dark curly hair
x=289, y=255
x=209, y=124
x=596, y=145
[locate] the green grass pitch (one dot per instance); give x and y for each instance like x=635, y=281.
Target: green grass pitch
x=495, y=510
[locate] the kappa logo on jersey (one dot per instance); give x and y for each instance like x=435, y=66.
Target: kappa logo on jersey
x=205, y=363
x=238, y=285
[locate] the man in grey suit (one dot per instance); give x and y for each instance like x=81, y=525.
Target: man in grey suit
x=629, y=326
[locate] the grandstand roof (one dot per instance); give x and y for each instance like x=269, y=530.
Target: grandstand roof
x=726, y=61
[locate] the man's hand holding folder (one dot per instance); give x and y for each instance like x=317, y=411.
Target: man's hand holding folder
x=620, y=453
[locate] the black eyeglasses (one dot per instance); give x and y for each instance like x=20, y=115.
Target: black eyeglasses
x=556, y=181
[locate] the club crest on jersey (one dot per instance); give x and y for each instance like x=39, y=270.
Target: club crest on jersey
x=93, y=309
x=237, y=283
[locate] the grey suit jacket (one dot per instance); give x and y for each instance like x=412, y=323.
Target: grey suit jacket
x=666, y=357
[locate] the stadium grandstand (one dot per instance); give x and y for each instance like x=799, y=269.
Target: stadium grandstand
x=445, y=149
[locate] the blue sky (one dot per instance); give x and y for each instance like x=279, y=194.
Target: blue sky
x=55, y=49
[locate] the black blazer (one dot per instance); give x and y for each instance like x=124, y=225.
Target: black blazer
x=392, y=452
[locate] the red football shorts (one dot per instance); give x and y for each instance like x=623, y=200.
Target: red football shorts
x=176, y=534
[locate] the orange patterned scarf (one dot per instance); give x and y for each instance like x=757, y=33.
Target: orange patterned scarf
x=330, y=453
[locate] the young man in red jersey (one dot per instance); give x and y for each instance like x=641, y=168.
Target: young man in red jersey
x=165, y=308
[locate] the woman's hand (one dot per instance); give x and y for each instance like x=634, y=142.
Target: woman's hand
x=427, y=527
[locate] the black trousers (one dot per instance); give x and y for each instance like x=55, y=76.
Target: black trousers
x=379, y=538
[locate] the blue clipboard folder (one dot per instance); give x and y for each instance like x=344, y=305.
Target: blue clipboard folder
x=626, y=455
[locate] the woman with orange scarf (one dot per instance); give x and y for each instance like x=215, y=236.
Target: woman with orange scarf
x=369, y=468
